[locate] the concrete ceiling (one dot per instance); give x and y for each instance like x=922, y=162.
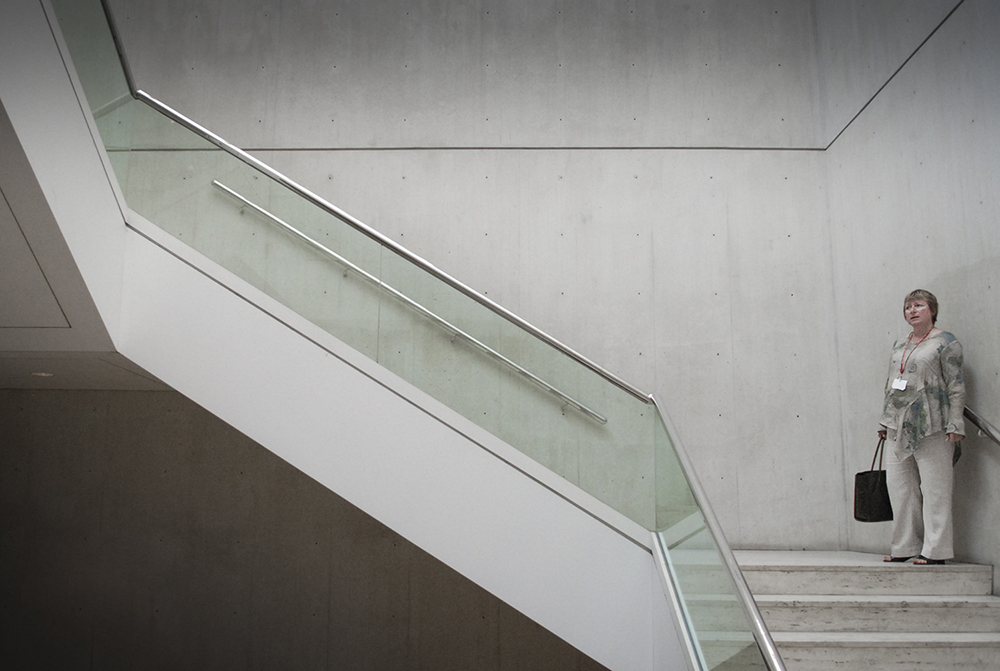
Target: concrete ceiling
x=51, y=334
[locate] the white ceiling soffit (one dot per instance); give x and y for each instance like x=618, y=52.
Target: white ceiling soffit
x=51, y=334
x=26, y=300
x=44, y=302
x=74, y=370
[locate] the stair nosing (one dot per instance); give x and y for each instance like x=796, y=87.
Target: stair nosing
x=887, y=568
x=887, y=639
x=919, y=600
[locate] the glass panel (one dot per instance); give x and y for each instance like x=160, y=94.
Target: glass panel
x=240, y=218
x=88, y=36
x=499, y=376
x=717, y=619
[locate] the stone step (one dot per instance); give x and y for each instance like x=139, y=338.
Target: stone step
x=879, y=613
x=851, y=610
x=888, y=651
x=846, y=573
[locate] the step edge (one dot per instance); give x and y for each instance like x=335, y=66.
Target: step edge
x=918, y=600
x=887, y=639
x=888, y=568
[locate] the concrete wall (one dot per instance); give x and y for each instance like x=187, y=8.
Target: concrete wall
x=860, y=45
x=484, y=73
x=914, y=204
x=646, y=181
x=656, y=263
x=139, y=531
x=702, y=276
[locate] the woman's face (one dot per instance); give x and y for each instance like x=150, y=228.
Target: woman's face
x=918, y=314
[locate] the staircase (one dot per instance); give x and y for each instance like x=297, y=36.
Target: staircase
x=495, y=449
x=849, y=610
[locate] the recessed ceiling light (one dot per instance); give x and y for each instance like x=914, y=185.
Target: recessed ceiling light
x=43, y=374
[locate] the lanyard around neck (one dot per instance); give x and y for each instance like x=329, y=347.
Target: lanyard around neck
x=902, y=364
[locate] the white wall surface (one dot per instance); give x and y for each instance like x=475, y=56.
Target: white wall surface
x=860, y=45
x=445, y=74
x=915, y=204
x=45, y=179
x=702, y=276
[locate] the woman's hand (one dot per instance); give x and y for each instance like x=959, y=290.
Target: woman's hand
x=881, y=434
x=954, y=437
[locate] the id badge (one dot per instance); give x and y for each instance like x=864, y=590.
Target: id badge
x=899, y=383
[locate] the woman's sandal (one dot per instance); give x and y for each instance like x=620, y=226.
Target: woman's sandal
x=890, y=558
x=924, y=561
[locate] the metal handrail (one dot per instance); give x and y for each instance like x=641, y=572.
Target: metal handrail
x=395, y=247
x=566, y=398
x=758, y=628
x=986, y=429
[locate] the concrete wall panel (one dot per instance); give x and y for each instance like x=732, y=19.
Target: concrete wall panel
x=510, y=74
x=861, y=44
x=702, y=276
x=51, y=519
x=914, y=204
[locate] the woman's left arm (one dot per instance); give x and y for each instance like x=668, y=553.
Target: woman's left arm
x=951, y=370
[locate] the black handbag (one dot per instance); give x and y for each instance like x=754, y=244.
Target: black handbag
x=871, y=494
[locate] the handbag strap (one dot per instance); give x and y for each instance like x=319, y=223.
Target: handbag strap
x=878, y=455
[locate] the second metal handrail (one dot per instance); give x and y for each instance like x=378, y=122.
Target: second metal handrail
x=566, y=398
x=986, y=429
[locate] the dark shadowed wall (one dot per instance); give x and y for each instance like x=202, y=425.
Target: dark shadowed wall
x=137, y=531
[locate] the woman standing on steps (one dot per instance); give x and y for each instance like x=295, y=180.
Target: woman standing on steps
x=922, y=422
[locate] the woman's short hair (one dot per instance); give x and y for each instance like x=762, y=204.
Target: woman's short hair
x=927, y=297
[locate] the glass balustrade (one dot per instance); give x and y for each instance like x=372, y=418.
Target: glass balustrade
x=719, y=621
x=523, y=388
